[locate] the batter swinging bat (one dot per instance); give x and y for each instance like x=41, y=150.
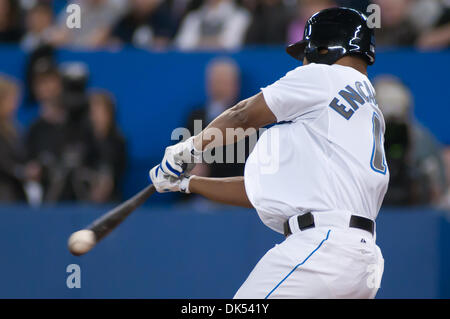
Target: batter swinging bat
x=84, y=240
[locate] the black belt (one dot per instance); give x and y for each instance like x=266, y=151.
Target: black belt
x=306, y=221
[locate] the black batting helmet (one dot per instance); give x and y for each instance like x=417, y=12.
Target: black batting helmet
x=341, y=31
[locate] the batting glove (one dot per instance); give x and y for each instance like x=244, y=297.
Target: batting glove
x=180, y=158
x=166, y=183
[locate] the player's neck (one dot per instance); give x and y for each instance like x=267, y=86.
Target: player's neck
x=353, y=62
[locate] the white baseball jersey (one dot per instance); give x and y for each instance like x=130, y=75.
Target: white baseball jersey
x=329, y=156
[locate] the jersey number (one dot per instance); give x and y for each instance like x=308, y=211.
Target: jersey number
x=377, y=161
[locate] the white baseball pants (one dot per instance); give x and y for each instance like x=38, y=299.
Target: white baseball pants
x=321, y=262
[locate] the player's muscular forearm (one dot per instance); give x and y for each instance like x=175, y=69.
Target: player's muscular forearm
x=229, y=190
x=250, y=113
x=228, y=128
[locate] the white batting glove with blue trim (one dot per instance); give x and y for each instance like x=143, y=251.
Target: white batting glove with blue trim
x=166, y=183
x=180, y=156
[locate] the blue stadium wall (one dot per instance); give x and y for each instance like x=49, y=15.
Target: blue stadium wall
x=181, y=252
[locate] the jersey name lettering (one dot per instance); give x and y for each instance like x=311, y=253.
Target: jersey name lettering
x=353, y=98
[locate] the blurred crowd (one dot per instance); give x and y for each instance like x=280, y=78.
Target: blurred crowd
x=72, y=151
x=209, y=24
x=419, y=170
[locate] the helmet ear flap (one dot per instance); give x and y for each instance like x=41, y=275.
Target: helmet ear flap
x=323, y=54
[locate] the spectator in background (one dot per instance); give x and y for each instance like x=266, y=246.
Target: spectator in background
x=45, y=141
x=46, y=83
x=269, y=23
x=217, y=24
x=360, y=5
x=305, y=9
x=106, y=159
x=38, y=58
x=223, y=88
x=413, y=154
x=180, y=8
x=445, y=202
x=12, y=152
x=58, y=140
x=97, y=19
x=46, y=137
x=432, y=18
x=38, y=26
x=396, y=27
x=147, y=24
x=10, y=29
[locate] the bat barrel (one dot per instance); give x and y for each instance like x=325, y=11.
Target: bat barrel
x=106, y=223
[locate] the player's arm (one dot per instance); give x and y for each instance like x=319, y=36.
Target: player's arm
x=228, y=190
x=250, y=113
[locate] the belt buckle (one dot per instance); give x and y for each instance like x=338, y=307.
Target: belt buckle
x=305, y=221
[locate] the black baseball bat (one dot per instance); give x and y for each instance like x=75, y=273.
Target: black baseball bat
x=103, y=225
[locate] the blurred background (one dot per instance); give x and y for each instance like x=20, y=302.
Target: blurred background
x=86, y=112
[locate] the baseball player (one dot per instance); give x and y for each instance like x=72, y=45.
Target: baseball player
x=318, y=176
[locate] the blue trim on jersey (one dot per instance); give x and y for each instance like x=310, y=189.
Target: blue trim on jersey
x=275, y=124
x=317, y=248
x=372, y=158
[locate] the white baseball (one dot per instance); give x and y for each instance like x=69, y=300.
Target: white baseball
x=81, y=242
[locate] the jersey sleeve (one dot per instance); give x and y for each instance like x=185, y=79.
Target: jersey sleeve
x=301, y=93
